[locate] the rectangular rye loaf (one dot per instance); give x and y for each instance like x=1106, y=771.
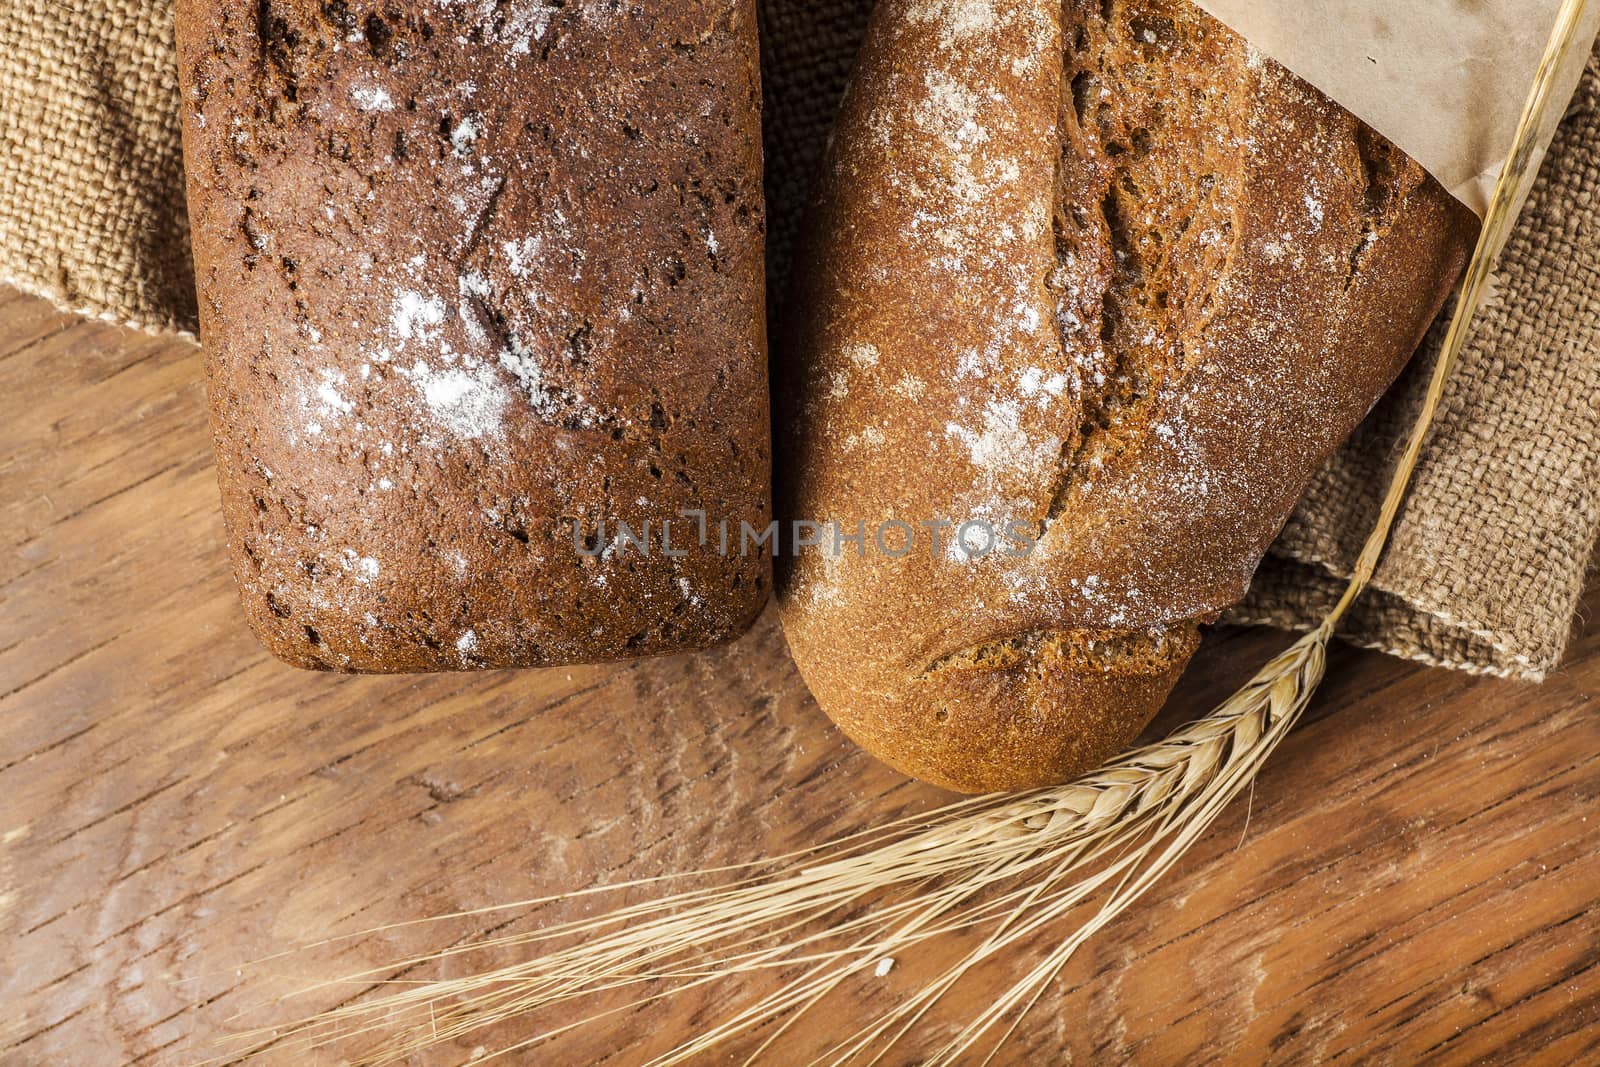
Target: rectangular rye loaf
x=478, y=282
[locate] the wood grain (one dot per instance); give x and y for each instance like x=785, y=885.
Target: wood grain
x=1414, y=879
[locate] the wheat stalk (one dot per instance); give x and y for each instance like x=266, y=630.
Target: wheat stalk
x=1007, y=868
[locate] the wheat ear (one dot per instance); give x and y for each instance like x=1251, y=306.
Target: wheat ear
x=1003, y=869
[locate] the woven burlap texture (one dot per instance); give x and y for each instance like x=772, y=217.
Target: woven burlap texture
x=1488, y=560
x=91, y=169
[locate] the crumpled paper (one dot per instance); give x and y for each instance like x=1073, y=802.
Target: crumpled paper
x=1445, y=80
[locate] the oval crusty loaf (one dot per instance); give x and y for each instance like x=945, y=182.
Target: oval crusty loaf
x=1100, y=269
x=475, y=279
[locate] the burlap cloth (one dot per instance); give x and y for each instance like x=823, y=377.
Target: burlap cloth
x=1489, y=558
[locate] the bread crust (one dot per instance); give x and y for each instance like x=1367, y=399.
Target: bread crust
x=1102, y=269
x=477, y=283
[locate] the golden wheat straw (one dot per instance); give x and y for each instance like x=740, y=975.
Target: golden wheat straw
x=1008, y=870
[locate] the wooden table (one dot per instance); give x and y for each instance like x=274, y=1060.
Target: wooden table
x=1415, y=878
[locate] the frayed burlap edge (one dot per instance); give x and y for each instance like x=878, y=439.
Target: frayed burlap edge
x=62, y=301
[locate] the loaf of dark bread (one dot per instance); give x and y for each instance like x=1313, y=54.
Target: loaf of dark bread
x=1099, y=270
x=479, y=282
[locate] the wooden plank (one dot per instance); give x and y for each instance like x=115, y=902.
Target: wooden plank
x=1413, y=880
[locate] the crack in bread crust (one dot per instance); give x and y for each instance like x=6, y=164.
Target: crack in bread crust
x=1109, y=651
x=1149, y=179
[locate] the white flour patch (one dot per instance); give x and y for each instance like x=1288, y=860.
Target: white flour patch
x=371, y=98
x=1035, y=383
x=467, y=400
x=365, y=568
x=863, y=356
x=522, y=255
x=329, y=402
x=526, y=25
x=523, y=364
x=1314, y=206
x=951, y=112
x=416, y=315
x=958, y=20
x=1000, y=444
x=466, y=134
x=910, y=386
x=869, y=437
